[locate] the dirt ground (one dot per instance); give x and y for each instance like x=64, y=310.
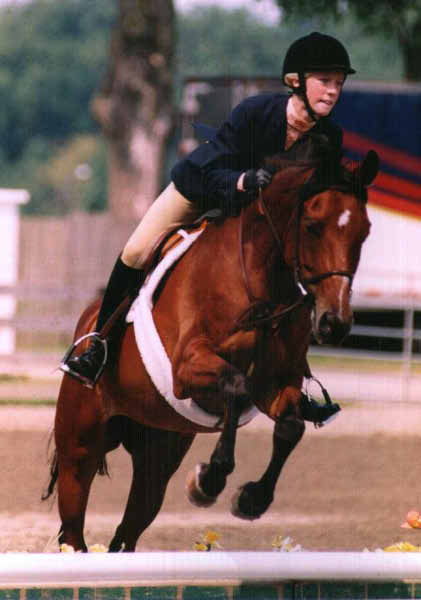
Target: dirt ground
x=347, y=486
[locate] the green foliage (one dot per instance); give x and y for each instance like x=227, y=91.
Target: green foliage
x=396, y=22
x=214, y=41
x=74, y=177
x=52, y=57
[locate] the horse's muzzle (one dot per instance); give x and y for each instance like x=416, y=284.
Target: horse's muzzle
x=331, y=329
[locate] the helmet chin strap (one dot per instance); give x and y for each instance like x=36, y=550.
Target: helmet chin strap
x=302, y=92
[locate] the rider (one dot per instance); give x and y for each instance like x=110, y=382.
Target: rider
x=224, y=171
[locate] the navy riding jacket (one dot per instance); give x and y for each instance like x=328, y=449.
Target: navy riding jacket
x=255, y=130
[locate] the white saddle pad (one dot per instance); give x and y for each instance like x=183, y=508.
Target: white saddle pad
x=152, y=351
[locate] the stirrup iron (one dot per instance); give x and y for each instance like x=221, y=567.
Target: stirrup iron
x=66, y=369
x=313, y=411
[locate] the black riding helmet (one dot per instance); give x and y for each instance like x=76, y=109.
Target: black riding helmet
x=315, y=52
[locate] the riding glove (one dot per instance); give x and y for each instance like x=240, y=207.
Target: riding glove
x=255, y=180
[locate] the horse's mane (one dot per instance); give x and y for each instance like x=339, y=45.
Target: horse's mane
x=325, y=162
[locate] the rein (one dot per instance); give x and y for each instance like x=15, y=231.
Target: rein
x=261, y=312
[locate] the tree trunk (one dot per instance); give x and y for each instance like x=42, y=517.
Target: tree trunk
x=411, y=52
x=134, y=106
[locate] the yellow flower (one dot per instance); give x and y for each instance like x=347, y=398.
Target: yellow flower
x=66, y=548
x=277, y=542
x=211, y=538
x=402, y=547
x=209, y=541
x=201, y=547
x=281, y=544
x=98, y=548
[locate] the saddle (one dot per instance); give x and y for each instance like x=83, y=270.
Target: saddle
x=163, y=245
x=169, y=240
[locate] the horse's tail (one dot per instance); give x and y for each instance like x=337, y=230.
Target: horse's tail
x=53, y=477
x=102, y=470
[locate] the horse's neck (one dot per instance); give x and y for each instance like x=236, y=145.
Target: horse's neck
x=269, y=276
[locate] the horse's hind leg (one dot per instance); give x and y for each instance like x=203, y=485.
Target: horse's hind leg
x=156, y=455
x=255, y=497
x=79, y=444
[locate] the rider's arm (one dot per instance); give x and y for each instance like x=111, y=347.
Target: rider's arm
x=227, y=155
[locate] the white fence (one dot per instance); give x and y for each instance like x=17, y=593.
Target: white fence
x=229, y=569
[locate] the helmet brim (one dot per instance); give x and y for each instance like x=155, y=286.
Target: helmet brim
x=331, y=68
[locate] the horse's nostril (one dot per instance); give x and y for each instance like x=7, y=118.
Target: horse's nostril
x=326, y=323
x=332, y=329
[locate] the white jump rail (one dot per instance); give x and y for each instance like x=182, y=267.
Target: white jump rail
x=157, y=568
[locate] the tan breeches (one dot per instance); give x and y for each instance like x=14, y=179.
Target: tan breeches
x=170, y=210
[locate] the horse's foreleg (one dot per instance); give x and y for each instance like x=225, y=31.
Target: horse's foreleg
x=200, y=371
x=79, y=444
x=255, y=497
x=208, y=480
x=156, y=455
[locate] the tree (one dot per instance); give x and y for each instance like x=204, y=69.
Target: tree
x=399, y=19
x=52, y=58
x=216, y=41
x=134, y=104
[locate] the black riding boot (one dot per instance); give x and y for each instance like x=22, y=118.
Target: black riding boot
x=88, y=366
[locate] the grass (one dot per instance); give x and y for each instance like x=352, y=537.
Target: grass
x=24, y=390
x=366, y=364
x=35, y=401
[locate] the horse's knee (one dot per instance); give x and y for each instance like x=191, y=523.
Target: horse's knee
x=234, y=385
x=290, y=429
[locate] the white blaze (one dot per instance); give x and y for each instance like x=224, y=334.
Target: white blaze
x=344, y=218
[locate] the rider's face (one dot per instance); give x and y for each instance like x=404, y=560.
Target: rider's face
x=323, y=90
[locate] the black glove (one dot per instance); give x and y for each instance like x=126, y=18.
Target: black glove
x=255, y=180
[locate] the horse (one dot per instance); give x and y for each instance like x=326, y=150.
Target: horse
x=236, y=314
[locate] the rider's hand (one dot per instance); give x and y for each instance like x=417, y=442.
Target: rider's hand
x=255, y=180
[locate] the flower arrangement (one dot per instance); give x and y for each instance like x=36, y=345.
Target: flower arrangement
x=209, y=540
x=280, y=544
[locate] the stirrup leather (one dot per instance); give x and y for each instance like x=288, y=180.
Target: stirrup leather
x=89, y=383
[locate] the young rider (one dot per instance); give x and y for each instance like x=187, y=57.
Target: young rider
x=224, y=171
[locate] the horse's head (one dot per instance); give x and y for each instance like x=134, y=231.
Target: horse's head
x=323, y=241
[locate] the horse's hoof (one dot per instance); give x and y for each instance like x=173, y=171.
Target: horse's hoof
x=194, y=492
x=244, y=504
x=236, y=510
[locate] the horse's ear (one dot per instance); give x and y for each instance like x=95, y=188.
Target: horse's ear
x=367, y=171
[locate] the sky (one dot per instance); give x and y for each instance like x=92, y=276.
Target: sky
x=264, y=9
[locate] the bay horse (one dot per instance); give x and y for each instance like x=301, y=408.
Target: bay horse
x=235, y=315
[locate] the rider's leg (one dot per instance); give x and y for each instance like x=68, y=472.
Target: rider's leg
x=122, y=282
x=169, y=210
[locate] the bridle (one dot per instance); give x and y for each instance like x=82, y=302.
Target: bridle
x=262, y=312
x=301, y=281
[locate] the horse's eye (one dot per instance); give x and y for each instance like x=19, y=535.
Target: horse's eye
x=315, y=228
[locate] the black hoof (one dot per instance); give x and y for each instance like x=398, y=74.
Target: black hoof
x=249, y=502
x=212, y=480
